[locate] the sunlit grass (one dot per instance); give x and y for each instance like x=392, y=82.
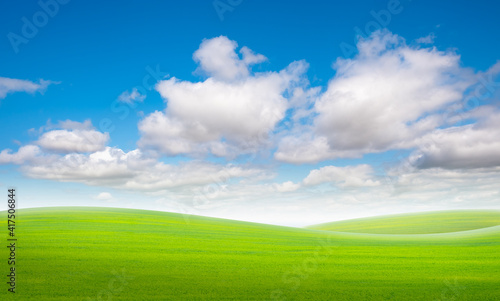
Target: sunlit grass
x=120, y=254
x=418, y=223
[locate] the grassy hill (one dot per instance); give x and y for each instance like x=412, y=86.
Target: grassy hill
x=417, y=223
x=86, y=254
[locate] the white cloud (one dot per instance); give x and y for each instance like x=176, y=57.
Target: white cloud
x=24, y=154
x=70, y=136
x=219, y=115
x=386, y=97
x=107, y=166
x=11, y=85
x=410, y=191
x=305, y=148
x=74, y=137
x=80, y=141
x=63, y=124
x=287, y=186
x=131, y=97
x=70, y=125
x=250, y=58
x=348, y=176
x=427, y=184
x=470, y=146
x=104, y=196
x=134, y=170
x=217, y=57
x=428, y=39
x=390, y=96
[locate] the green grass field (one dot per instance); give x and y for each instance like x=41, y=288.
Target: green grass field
x=120, y=254
x=417, y=223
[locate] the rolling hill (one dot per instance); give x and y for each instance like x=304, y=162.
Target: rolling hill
x=417, y=223
x=81, y=253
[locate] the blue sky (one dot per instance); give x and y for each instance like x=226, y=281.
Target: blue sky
x=292, y=114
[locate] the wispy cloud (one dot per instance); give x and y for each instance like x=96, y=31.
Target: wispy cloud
x=12, y=85
x=131, y=97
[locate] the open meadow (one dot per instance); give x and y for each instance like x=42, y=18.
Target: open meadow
x=78, y=253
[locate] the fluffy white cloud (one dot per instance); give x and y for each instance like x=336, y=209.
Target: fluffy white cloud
x=108, y=166
x=218, y=59
x=440, y=185
x=474, y=145
x=11, y=85
x=306, y=148
x=220, y=115
x=384, y=98
x=63, y=137
x=287, y=186
x=390, y=96
x=24, y=154
x=348, y=176
x=71, y=136
x=131, y=97
x=69, y=141
x=113, y=167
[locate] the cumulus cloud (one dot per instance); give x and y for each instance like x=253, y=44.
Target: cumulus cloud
x=11, y=85
x=24, y=154
x=217, y=58
x=287, y=186
x=221, y=115
x=109, y=166
x=348, y=176
x=384, y=98
x=435, y=183
x=71, y=136
x=113, y=167
x=64, y=137
x=80, y=141
x=131, y=97
x=390, y=96
x=306, y=148
x=474, y=145
x=62, y=124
